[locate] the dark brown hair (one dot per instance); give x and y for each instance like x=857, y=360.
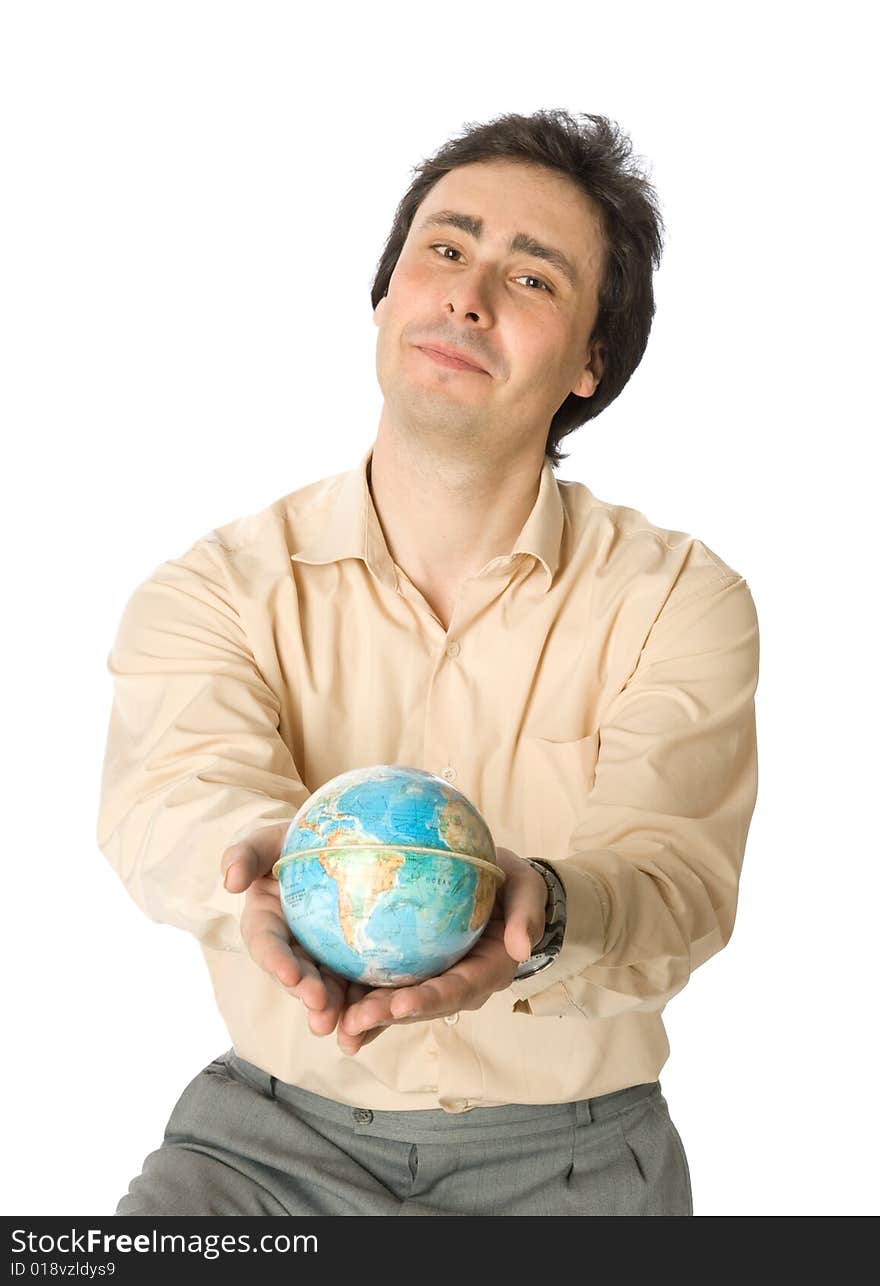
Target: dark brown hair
x=594, y=153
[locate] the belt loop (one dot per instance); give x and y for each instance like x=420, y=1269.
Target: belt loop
x=584, y=1113
x=273, y=1081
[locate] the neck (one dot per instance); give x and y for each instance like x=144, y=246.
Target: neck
x=445, y=515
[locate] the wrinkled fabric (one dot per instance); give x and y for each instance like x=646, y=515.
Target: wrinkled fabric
x=593, y=696
x=238, y=1142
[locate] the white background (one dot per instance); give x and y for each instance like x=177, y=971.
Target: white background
x=196, y=197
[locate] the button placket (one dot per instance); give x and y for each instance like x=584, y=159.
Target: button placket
x=448, y=685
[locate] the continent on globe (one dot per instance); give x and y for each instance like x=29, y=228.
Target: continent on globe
x=359, y=885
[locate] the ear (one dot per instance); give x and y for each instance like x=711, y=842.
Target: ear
x=378, y=310
x=591, y=373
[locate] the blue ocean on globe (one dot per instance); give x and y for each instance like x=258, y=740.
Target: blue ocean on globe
x=388, y=875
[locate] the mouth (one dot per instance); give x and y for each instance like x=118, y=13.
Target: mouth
x=448, y=360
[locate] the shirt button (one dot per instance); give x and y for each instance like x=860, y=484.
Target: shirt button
x=362, y=1115
x=453, y=649
x=449, y=774
x=452, y=1019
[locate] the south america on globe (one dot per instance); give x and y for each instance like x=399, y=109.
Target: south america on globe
x=387, y=875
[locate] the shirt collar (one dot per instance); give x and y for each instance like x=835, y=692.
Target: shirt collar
x=351, y=528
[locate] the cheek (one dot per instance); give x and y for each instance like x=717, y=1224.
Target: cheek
x=413, y=282
x=537, y=345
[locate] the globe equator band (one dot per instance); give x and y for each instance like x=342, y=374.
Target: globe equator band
x=394, y=848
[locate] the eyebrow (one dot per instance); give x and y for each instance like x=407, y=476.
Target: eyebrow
x=520, y=243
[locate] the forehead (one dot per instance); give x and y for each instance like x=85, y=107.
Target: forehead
x=514, y=196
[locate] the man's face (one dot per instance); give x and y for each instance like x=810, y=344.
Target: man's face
x=522, y=318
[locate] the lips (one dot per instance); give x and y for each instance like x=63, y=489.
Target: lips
x=455, y=358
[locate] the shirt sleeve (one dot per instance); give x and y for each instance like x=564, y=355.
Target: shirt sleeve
x=652, y=873
x=194, y=759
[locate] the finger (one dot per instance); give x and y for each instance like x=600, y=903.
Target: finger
x=489, y=965
x=315, y=991
x=443, y=995
x=352, y=1044
x=371, y=1012
x=294, y=970
x=347, y=1044
x=467, y=984
x=323, y=1021
x=367, y=1007
x=262, y=918
x=271, y=946
x=524, y=898
x=421, y=999
x=253, y=856
x=486, y=968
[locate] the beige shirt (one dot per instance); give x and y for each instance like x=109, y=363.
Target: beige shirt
x=593, y=697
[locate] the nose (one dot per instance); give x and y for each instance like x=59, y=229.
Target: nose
x=470, y=296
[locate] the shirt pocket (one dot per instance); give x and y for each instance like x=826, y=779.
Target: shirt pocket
x=557, y=779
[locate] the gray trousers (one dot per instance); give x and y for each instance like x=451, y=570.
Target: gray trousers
x=240, y=1142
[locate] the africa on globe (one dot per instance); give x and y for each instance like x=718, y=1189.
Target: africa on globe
x=387, y=875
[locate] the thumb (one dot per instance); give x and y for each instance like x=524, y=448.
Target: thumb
x=525, y=898
x=255, y=855
x=518, y=941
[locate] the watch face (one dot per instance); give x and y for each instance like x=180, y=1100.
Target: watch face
x=534, y=964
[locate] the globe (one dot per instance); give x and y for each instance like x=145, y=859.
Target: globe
x=388, y=875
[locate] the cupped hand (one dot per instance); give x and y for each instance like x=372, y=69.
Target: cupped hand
x=247, y=868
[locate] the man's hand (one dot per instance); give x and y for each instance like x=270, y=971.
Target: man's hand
x=248, y=866
x=515, y=926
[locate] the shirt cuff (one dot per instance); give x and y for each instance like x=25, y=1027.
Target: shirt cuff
x=583, y=943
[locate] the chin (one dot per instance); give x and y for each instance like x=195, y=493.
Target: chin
x=444, y=429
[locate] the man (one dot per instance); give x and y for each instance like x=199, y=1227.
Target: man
x=587, y=679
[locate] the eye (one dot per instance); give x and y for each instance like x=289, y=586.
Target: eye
x=529, y=277
x=523, y=277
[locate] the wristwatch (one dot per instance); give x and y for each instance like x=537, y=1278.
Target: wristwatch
x=546, y=951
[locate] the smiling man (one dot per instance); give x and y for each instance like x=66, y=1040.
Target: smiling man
x=482, y=336
x=584, y=676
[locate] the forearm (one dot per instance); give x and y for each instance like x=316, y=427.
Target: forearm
x=653, y=868
x=194, y=759
x=635, y=931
